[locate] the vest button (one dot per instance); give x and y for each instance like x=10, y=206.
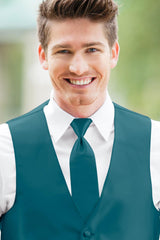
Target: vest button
x=87, y=234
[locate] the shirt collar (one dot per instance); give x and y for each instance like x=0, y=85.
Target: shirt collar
x=55, y=118
x=103, y=118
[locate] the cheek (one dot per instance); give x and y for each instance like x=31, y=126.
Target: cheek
x=105, y=75
x=54, y=70
x=102, y=65
x=54, y=73
x=104, y=70
x=57, y=68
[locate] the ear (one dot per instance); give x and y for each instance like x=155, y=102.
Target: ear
x=115, y=54
x=42, y=58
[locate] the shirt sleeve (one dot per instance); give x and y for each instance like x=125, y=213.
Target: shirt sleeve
x=7, y=170
x=155, y=163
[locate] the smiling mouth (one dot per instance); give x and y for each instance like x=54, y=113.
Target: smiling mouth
x=80, y=82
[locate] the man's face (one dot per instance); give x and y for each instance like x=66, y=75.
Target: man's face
x=79, y=61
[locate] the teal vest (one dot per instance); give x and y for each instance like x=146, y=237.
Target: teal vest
x=44, y=209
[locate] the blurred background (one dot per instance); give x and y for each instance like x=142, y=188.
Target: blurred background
x=135, y=82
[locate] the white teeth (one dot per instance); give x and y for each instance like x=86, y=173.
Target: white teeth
x=81, y=82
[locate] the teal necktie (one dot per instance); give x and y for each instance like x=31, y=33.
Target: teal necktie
x=83, y=171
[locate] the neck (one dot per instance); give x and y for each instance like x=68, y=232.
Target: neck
x=81, y=111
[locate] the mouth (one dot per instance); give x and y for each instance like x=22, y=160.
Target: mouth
x=80, y=82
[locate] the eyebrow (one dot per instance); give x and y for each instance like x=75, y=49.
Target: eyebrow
x=93, y=44
x=90, y=44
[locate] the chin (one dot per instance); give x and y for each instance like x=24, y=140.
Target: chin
x=77, y=101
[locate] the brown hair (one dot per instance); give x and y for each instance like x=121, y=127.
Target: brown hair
x=96, y=10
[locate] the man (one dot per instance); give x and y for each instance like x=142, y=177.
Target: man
x=60, y=182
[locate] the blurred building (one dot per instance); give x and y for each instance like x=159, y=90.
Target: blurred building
x=23, y=84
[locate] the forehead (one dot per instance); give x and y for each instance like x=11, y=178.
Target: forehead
x=76, y=30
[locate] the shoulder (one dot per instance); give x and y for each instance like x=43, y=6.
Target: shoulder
x=132, y=118
x=5, y=136
x=156, y=136
x=24, y=119
x=6, y=150
x=156, y=126
x=155, y=161
x=129, y=112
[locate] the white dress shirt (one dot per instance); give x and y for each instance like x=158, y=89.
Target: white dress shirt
x=100, y=135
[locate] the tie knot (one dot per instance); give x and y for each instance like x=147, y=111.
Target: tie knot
x=80, y=125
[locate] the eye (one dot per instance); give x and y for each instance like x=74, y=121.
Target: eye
x=64, y=51
x=92, y=50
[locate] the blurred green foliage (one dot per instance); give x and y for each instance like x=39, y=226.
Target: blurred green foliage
x=11, y=60
x=136, y=79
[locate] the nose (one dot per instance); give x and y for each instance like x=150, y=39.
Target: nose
x=78, y=65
